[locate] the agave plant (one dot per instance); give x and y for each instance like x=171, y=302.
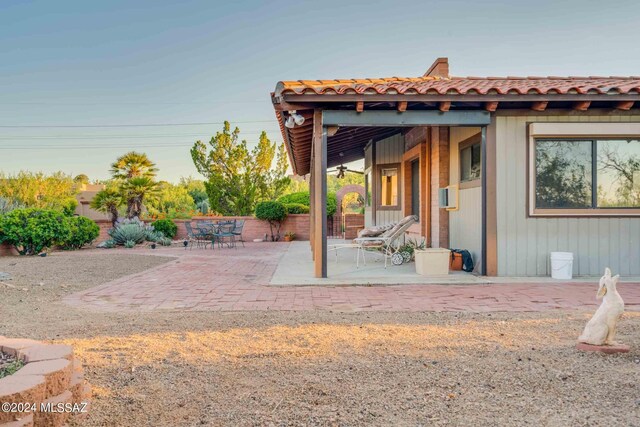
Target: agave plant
x=129, y=229
x=129, y=244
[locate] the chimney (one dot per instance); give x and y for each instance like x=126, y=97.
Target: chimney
x=439, y=68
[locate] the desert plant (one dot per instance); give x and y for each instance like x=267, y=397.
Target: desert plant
x=129, y=244
x=166, y=227
x=107, y=244
x=133, y=165
x=135, y=191
x=296, y=208
x=129, y=229
x=33, y=230
x=82, y=231
x=107, y=201
x=274, y=213
x=165, y=241
x=11, y=368
x=153, y=235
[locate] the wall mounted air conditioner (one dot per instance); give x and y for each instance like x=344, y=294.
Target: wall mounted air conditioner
x=448, y=197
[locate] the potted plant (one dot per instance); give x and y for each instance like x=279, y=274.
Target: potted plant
x=289, y=236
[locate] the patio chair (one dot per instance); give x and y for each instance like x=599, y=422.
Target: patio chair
x=193, y=236
x=225, y=232
x=386, y=242
x=237, y=230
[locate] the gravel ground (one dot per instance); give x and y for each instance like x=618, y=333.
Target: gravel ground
x=320, y=368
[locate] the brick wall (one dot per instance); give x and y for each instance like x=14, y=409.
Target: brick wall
x=439, y=179
x=253, y=228
x=352, y=224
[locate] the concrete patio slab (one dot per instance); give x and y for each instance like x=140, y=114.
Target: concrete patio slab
x=296, y=268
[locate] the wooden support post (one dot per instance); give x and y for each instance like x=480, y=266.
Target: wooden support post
x=312, y=210
x=320, y=195
x=539, y=106
x=374, y=183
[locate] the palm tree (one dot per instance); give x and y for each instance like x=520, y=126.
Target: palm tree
x=135, y=190
x=107, y=201
x=133, y=165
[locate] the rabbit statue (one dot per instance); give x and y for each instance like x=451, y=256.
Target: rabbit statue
x=601, y=329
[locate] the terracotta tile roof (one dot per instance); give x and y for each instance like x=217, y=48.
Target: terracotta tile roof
x=463, y=85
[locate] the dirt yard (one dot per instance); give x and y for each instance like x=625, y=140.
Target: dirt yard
x=319, y=368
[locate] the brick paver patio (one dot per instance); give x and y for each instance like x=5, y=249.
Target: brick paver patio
x=237, y=280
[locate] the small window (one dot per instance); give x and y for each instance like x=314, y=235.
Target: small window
x=389, y=186
x=587, y=174
x=470, y=165
x=415, y=188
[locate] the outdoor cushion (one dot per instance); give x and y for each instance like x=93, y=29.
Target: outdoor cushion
x=375, y=230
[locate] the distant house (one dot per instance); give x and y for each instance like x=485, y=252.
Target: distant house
x=84, y=197
x=510, y=168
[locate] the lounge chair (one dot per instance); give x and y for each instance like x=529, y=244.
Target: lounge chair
x=385, y=242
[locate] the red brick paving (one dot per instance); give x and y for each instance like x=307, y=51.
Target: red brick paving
x=238, y=280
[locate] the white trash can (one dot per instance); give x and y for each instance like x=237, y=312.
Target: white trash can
x=561, y=265
x=432, y=261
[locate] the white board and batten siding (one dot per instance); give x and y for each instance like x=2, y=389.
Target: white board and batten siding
x=465, y=223
x=524, y=243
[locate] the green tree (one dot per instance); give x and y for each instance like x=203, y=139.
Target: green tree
x=172, y=200
x=133, y=165
x=135, y=190
x=56, y=191
x=81, y=179
x=108, y=201
x=238, y=178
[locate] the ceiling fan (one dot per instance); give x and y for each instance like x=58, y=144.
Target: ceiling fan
x=341, y=171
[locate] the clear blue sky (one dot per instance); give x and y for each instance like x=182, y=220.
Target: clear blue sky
x=139, y=62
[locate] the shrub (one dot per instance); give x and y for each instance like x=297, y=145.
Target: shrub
x=82, y=231
x=129, y=244
x=296, y=208
x=129, y=229
x=167, y=227
x=8, y=205
x=33, y=230
x=274, y=213
x=165, y=241
x=153, y=235
x=302, y=197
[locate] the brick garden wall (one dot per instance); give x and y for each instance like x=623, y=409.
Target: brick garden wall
x=253, y=228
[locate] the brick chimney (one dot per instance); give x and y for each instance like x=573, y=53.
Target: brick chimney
x=439, y=68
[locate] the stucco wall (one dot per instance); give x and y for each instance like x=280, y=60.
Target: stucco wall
x=524, y=243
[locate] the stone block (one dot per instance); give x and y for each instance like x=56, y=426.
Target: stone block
x=25, y=421
x=13, y=345
x=56, y=417
x=57, y=374
x=20, y=389
x=40, y=352
x=607, y=349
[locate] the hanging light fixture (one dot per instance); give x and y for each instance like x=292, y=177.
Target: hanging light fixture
x=290, y=122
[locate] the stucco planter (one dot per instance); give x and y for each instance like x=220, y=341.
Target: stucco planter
x=432, y=261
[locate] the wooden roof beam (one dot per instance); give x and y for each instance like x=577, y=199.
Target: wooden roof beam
x=360, y=106
x=539, y=105
x=444, y=106
x=581, y=105
x=491, y=106
x=402, y=106
x=624, y=105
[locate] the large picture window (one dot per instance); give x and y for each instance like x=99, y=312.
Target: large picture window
x=586, y=173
